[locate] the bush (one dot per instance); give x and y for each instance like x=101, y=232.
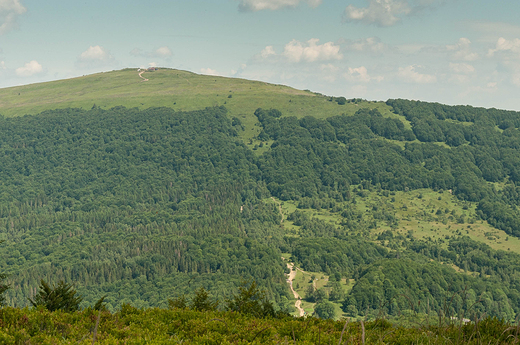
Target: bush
x=341, y=100
x=325, y=310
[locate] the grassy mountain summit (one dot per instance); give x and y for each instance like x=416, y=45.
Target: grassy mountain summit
x=179, y=90
x=148, y=190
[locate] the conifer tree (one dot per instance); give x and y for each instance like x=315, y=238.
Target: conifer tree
x=60, y=297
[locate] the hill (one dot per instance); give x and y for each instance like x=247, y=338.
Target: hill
x=144, y=203
x=179, y=90
x=176, y=89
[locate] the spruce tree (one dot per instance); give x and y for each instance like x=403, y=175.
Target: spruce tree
x=60, y=297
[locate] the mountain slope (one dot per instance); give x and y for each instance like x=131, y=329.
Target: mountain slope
x=147, y=204
x=179, y=90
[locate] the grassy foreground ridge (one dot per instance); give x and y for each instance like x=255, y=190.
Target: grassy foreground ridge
x=161, y=326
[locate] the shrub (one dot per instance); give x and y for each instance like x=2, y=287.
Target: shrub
x=325, y=310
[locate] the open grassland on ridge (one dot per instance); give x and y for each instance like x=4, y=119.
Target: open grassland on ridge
x=180, y=90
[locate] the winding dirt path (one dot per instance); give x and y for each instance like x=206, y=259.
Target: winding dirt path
x=292, y=275
x=141, y=76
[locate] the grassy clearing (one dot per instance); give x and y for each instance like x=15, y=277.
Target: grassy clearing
x=433, y=215
x=303, y=281
x=424, y=213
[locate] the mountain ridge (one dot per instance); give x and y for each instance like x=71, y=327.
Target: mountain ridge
x=146, y=203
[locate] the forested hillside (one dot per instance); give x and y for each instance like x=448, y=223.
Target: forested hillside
x=146, y=205
x=135, y=204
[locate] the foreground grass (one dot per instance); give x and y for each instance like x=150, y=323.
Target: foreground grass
x=160, y=326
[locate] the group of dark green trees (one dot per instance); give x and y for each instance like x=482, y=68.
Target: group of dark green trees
x=142, y=205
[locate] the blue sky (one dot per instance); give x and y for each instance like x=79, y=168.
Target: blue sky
x=448, y=51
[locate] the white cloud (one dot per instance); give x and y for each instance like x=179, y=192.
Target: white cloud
x=515, y=79
x=259, y=5
x=371, y=44
x=137, y=52
x=296, y=51
x=479, y=91
x=410, y=75
x=162, y=53
x=267, y=51
x=510, y=69
x=10, y=10
x=29, y=69
x=95, y=53
x=239, y=71
x=150, y=64
x=490, y=30
x=412, y=48
x=329, y=68
x=358, y=74
x=378, y=12
x=462, y=50
x=2, y=65
x=387, y=12
x=506, y=55
x=462, y=68
x=209, y=71
x=329, y=72
x=459, y=79
x=95, y=57
x=358, y=90
x=506, y=45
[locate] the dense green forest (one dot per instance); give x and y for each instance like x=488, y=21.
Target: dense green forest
x=134, y=204
x=147, y=205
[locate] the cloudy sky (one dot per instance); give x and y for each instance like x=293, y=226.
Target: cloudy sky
x=449, y=51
